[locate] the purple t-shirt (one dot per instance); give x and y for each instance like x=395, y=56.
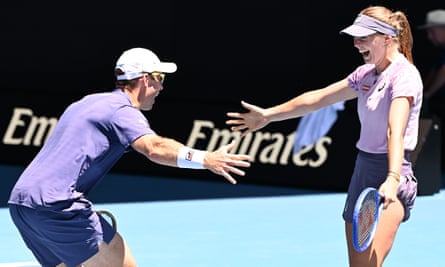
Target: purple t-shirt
x=375, y=93
x=91, y=135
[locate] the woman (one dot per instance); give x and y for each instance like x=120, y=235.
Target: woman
x=388, y=89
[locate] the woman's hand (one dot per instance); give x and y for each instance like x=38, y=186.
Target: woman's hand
x=249, y=121
x=389, y=189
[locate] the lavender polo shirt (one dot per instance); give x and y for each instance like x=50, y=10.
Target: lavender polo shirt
x=375, y=93
x=91, y=135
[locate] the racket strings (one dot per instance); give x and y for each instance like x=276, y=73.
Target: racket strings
x=366, y=219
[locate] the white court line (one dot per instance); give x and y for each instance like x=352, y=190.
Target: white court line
x=20, y=264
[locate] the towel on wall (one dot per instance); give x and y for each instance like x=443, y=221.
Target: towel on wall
x=315, y=125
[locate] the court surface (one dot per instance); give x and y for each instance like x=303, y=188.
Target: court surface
x=295, y=228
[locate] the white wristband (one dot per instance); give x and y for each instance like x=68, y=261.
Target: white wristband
x=191, y=158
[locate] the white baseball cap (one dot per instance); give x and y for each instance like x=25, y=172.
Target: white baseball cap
x=434, y=18
x=137, y=61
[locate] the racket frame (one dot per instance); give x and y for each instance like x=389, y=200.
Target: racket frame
x=378, y=200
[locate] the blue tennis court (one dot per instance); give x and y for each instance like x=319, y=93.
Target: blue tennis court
x=275, y=227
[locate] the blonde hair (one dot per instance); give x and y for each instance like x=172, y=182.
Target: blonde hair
x=397, y=19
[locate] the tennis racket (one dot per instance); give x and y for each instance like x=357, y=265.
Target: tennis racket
x=111, y=219
x=366, y=216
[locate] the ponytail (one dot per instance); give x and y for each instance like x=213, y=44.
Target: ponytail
x=397, y=19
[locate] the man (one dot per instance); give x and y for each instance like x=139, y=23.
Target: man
x=49, y=202
x=434, y=82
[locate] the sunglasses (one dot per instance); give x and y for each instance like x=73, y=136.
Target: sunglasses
x=157, y=76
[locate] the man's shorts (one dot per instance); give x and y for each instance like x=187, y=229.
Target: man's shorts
x=70, y=235
x=371, y=171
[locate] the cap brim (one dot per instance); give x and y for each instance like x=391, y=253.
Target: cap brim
x=167, y=67
x=357, y=31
